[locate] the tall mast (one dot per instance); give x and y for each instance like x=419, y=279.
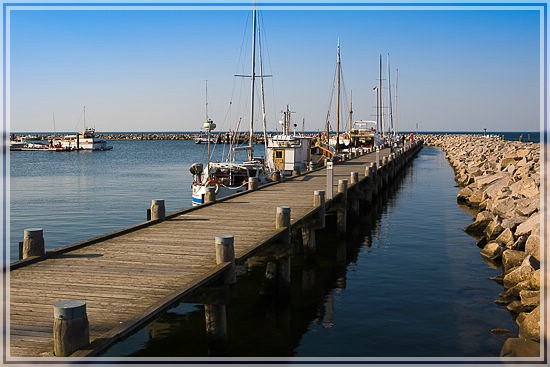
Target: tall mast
x=351, y=110
x=381, y=100
x=84, y=112
x=207, y=123
x=391, y=129
x=338, y=101
x=264, y=122
x=253, y=77
x=396, y=113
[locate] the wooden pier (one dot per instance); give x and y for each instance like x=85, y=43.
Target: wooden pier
x=128, y=277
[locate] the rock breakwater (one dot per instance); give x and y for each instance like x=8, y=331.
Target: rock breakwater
x=500, y=180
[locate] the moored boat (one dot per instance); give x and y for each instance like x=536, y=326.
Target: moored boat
x=232, y=176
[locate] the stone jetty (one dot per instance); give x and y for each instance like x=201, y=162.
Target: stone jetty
x=500, y=181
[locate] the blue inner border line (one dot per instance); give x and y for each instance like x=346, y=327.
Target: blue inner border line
x=5, y=265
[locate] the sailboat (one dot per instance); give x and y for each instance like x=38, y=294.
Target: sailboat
x=230, y=177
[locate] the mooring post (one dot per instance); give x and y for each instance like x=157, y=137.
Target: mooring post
x=329, y=180
x=216, y=329
x=341, y=213
x=282, y=220
x=252, y=183
x=319, y=201
x=225, y=252
x=71, y=330
x=210, y=196
x=377, y=155
x=353, y=178
x=308, y=240
x=33, y=243
x=157, y=209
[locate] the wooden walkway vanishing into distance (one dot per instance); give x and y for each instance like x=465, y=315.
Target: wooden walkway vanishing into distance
x=129, y=276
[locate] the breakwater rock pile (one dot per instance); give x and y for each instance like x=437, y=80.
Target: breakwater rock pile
x=500, y=180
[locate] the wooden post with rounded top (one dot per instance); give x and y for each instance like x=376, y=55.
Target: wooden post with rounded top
x=71, y=330
x=33, y=243
x=341, y=212
x=157, y=209
x=225, y=252
x=210, y=196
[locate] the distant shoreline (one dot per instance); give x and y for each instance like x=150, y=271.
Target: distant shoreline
x=258, y=137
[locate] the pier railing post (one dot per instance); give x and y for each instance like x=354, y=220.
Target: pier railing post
x=210, y=196
x=225, y=252
x=330, y=183
x=341, y=213
x=71, y=330
x=216, y=328
x=353, y=178
x=319, y=201
x=157, y=209
x=282, y=220
x=33, y=243
x=378, y=155
x=252, y=183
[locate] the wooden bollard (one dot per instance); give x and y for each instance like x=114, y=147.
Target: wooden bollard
x=33, y=243
x=252, y=183
x=330, y=181
x=283, y=217
x=308, y=240
x=157, y=209
x=319, y=201
x=71, y=330
x=341, y=213
x=377, y=155
x=216, y=328
x=353, y=178
x=225, y=252
x=282, y=220
x=210, y=196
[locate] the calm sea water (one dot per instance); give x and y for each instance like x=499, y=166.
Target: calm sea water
x=78, y=195
x=406, y=281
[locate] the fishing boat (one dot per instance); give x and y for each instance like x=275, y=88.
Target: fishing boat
x=28, y=142
x=82, y=140
x=230, y=177
x=288, y=152
x=363, y=134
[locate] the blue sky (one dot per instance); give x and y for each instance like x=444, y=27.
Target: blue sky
x=145, y=70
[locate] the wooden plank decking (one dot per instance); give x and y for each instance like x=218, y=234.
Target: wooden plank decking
x=127, y=279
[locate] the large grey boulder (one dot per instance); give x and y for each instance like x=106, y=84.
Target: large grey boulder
x=529, y=328
x=522, y=273
x=519, y=347
x=506, y=238
x=529, y=225
x=532, y=246
x=492, y=251
x=478, y=226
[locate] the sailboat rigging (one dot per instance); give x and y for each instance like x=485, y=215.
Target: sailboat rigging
x=231, y=177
